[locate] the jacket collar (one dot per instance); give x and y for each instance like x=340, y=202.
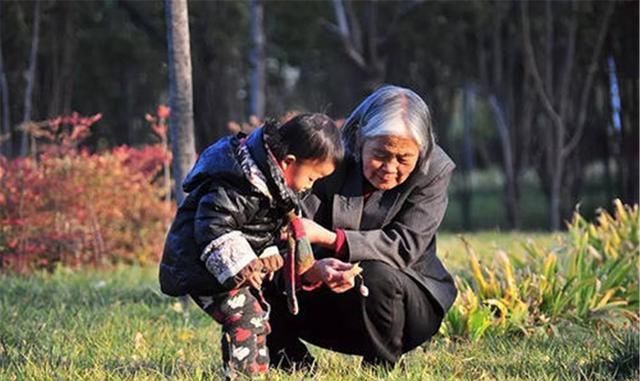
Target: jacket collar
x=255, y=144
x=286, y=199
x=349, y=210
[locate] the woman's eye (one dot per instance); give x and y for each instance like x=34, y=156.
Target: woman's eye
x=405, y=160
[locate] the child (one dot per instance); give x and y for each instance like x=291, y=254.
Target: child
x=241, y=192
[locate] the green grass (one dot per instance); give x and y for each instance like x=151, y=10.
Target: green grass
x=115, y=325
x=486, y=243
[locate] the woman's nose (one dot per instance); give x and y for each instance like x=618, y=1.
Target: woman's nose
x=390, y=166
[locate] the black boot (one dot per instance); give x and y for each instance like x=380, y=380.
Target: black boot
x=293, y=357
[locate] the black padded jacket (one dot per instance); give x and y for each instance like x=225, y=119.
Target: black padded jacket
x=220, y=200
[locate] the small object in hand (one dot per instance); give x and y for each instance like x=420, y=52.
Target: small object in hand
x=364, y=290
x=354, y=271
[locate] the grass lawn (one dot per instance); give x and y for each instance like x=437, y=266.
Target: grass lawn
x=115, y=325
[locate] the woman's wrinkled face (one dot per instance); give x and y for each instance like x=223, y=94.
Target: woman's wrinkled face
x=300, y=175
x=387, y=161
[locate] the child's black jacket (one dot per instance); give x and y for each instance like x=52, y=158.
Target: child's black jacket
x=220, y=200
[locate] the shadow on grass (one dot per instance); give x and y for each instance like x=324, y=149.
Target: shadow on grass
x=623, y=362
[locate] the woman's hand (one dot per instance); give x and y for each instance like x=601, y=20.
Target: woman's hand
x=319, y=235
x=334, y=273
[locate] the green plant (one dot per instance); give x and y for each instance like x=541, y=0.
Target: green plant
x=68, y=206
x=591, y=279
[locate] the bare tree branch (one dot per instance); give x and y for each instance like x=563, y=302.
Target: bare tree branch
x=565, y=78
x=535, y=73
x=354, y=27
x=341, y=18
x=586, y=90
x=344, y=32
x=548, y=49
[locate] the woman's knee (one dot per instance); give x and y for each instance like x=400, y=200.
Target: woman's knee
x=382, y=280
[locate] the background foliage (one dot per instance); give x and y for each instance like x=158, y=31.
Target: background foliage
x=66, y=206
x=464, y=58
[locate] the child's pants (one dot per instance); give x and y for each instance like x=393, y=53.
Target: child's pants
x=243, y=315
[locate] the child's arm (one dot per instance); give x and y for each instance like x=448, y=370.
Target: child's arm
x=226, y=252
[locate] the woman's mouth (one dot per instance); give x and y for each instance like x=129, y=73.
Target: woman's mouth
x=385, y=177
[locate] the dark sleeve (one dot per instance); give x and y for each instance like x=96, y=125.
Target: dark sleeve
x=409, y=234
x=219, y=216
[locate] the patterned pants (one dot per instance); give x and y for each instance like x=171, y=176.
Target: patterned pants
x=244, y=316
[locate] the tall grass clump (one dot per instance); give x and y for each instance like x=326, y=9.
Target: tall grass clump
x=592, y=278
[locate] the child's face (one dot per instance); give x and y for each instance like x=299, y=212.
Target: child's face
x=300, y=175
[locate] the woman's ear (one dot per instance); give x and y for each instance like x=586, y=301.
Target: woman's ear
x=287, y=161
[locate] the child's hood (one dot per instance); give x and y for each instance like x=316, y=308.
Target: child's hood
x=219, y=160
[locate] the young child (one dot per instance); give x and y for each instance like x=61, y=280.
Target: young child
x=241, y=193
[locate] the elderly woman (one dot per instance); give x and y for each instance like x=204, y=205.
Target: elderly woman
x=381, y=208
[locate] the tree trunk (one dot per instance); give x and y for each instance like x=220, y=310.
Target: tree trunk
x=257, y=61
x=559, y=102
x=629, y=152
x=367, y=48
x=63, y=65
x=30, y=77
x=513, y=217
x=498, y=88
x=467, y=163
x=555, y=202
x=180, y=92
x=5, y=127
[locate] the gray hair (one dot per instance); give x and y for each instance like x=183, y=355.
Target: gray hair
x=390, y=111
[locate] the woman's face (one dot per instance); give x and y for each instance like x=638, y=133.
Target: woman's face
x=387, y=161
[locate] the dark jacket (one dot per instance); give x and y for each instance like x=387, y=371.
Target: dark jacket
x=220, y=200
x=397, y=226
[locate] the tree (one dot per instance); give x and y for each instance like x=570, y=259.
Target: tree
x=506, y=86
x=366, y=46
x=257, y=61
x=623, y=52
x=220, y=47
x=180, y=92
x=5, y=123
x=60, y=76
x=555, y=93
x=30, y=78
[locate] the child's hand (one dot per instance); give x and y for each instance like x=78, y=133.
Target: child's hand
x=251, y=274
x=272, y=263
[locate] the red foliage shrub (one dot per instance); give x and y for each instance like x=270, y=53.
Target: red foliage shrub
x=76, y=208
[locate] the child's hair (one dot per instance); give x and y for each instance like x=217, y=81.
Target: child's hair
x=307, y=137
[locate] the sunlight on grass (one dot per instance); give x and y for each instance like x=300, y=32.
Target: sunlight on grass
x=452, y=252
x=116, y=325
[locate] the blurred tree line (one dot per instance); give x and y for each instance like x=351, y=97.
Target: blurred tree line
x=544, y=88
